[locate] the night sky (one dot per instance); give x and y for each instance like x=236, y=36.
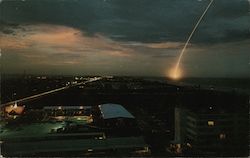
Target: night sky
x=124, y=37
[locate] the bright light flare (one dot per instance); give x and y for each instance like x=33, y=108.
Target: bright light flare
x=175, y=74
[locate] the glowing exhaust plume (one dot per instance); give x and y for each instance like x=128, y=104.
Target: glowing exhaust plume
x=176, y=73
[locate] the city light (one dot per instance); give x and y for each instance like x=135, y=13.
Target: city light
x=222, y=136
x=90, y=150
x=15, y=105
x=210, y=123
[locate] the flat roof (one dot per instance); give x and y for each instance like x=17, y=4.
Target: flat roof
x=71, y=145
x=114, y=111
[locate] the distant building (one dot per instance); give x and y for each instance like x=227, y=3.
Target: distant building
x=70, y=135
x=14, y=109
x=67, y=110
x=211, y=131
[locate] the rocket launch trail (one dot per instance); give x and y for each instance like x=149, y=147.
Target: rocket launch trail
x=176, y=72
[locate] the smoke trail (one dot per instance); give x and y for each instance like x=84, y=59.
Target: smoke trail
x=189, y=38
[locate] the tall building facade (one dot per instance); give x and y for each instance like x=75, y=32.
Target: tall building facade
x=212, y=131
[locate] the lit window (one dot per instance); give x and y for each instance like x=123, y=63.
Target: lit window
x=178, y=148
x=189, y=145
x=90, y=150
x=222, y=136
x=210, y=123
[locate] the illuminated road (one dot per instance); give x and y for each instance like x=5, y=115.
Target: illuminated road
x=50, y=92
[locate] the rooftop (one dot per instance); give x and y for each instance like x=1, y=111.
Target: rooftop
x=62, y=145
x=114, y=111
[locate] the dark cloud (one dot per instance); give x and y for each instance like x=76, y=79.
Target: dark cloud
x=125, y=37
x=140, y=20
x=8, y=28
x=7, y=31
x=65, y=56
x=160, y=56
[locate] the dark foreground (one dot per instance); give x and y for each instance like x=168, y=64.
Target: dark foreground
x=154, y=106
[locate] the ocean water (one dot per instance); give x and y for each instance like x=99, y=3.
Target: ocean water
x=237, y=84
x=225, y=84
